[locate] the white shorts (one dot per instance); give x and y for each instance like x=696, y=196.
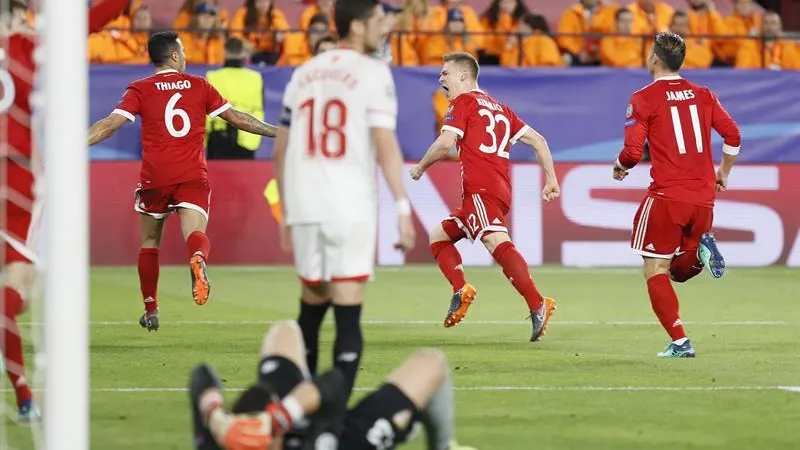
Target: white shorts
x=334, y=251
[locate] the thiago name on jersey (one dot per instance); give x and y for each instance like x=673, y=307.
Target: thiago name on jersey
x=173, y=85
x=674, y=96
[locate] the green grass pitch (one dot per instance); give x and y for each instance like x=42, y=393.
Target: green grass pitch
x=592, y=383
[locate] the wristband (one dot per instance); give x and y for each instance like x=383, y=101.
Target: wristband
x=730, y=150
x=403, y=207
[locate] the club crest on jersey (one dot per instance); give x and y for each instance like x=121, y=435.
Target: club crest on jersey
x=448, y=115
x=629, y=111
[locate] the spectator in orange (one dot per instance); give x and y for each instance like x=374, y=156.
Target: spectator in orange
x=745, y=21
x=205, y=44
x=538, y=49
x=650, y=16
x=263, y=25
x=704, y=20
x=769, y=52
x=456, y=38
x=587, y=16
x=396, y=48
x=415, y=20
x=698, y=55
x=298, y=47
x=440, y=18
x=187, y=12
x=123, y=46
x=625, y=50
x=319, y=7
x=501, y=17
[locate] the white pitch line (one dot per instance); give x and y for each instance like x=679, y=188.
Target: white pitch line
x=468, y=323
x=135, y=390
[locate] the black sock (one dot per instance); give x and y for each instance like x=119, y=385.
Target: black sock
x=310, y=321
x=349, y=342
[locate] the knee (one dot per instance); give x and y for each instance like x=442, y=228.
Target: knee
x=20, y=277
x=651, y=270
x=280, y=336
x=434, y=360
x=438, y=235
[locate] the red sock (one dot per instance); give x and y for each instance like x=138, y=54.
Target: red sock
x=12, y=345
x=449, y=260
x=198, y=242
x=516, y=270
x=665, y=305
x=685, y=266
x=148, y=277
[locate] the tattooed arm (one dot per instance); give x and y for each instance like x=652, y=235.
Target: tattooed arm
x=246, y=122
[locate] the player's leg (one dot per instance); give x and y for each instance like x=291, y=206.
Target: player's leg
x=349, y=255
x=442, y=242
x=152, y=230
x=192, y=201
x=487, y=218
x=314, y=304
x=152, y=206
x=17, y=279
x=419, y=389
x=657, y=231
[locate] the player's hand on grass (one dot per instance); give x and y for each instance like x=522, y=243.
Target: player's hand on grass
x=407, y=234
x=286, y=237
x=551, y=191
x=416, y=172
x=722, y=181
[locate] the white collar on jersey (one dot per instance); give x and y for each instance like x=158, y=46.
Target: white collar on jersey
x=166, y=71
x=669, y=78
x=478, y=90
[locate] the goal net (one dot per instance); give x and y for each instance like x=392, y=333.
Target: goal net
x=44, y=224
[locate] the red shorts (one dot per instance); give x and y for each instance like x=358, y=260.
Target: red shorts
x=159, y=202
x=663, y=228
x=479, y=214
x=18, y=228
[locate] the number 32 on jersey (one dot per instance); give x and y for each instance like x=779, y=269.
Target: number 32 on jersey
x=491, y=129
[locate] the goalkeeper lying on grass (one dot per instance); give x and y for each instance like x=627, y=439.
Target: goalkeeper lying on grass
x=286, y=409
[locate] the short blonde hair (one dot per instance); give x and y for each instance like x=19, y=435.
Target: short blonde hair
x=465, y=59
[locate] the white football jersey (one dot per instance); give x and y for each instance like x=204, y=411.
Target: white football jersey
x=330, y=104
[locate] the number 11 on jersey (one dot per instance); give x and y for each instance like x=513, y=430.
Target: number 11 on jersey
x=678, y=128
x=331, y=141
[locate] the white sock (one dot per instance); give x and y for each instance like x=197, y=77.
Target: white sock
x=680, y=341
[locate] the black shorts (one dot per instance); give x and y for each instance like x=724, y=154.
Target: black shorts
x=370, y=425
x=280, y=374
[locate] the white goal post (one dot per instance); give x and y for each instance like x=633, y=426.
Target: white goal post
x=63, y=73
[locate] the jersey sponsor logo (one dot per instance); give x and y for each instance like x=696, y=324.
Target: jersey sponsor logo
x=629, y=111
x=269, y=367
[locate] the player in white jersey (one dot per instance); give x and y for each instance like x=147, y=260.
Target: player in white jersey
x=339, y=119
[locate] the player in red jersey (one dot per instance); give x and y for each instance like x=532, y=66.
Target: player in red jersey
x=671, y=227
x=18, y=223
x=173, y=106
x=484, y=130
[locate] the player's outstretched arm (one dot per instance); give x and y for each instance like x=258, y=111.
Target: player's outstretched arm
x=248, y=123
x=438, y=151
x=105, y=128
x=538, y=143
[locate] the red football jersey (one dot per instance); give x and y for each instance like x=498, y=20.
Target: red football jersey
x=173, y=107
x=15, y=110
x=675, y=116
x=486, y=130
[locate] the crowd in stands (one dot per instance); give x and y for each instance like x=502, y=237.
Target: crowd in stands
x=508, y=33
